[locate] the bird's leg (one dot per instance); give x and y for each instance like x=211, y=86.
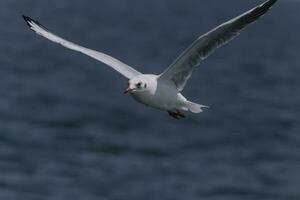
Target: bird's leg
x=173, y=114
x=180, y=114
x=177, y=114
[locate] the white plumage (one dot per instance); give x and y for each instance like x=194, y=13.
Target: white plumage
x=163, y=91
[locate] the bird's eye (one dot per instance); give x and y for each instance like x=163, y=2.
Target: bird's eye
x=139, y=84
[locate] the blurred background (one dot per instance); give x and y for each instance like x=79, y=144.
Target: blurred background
x=68, y=132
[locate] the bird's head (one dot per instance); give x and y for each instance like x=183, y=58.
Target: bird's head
x=136, y=85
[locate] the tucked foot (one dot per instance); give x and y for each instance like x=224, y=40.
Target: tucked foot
x=177, y=114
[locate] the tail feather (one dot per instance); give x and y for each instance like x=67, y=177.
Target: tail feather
x=195, y=108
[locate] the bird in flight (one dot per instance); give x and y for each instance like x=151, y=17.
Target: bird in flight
x=163, y=91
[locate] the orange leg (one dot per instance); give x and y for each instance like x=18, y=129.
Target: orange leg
x=173, y=114
x=180, y=114
x=177, y=114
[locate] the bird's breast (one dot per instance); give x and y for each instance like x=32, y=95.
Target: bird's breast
x=164, y=97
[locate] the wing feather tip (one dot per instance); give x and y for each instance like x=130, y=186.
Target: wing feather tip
x=267, y=5
x=259, y=11
x=29, y=21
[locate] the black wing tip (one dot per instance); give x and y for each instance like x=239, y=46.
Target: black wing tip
x=269, y=4
x=26, y=18
x=272, y=2
x=261, y=10
x=29, y=20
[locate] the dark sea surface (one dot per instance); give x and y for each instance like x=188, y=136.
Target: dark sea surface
x=68, y=132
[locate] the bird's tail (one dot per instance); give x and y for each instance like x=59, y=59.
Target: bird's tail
x=195, y=108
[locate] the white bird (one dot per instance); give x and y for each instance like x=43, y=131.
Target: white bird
x=163, y=91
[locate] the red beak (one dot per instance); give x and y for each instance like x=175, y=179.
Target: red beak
x=128, y=90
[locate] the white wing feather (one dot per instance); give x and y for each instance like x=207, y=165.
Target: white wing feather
x=181, y=69
x=122, y=68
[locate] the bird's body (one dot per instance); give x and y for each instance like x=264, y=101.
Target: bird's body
x=160, y=94
x=163, y=91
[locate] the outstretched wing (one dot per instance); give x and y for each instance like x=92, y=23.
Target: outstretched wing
x=181, y=69
x=124, y=69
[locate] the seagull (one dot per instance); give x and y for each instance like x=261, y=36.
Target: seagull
x=163, y=91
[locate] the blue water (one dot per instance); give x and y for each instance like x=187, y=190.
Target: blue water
x=68, y=132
